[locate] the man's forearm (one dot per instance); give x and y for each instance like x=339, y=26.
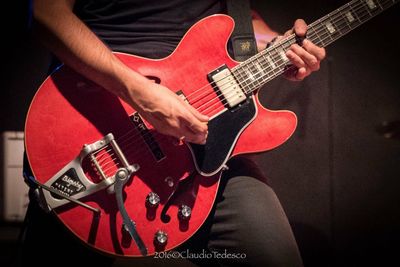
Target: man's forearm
x=78, y=47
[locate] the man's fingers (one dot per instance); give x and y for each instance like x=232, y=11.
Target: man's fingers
x=296, y=74
x=187, y=134
x=302, y=73
x=317, y=51
x=297, y=54
x=295, y=59
x=194, y=137
x=195, y=131
x=197, y=114
x=306, y=57
x=300, y=27
x=196, y=125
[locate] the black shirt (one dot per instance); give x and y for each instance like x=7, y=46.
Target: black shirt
x=150, y=28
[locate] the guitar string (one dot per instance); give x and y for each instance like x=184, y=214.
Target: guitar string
x=232, y=93
x=333, y=12
x=200, y=96
x=336, y=24
x=216, y=100
x=332, y=19
x=337, y=18
x=325, y=38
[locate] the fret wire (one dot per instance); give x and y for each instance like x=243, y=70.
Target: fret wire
x=256, y=72
x=253, y=76
x=332, y=21
x=352, y=7
x=243, y=78
x=319, y=37
x=336, y=18
x=343, y=17
x=349, y=9
x=377, y=9
x=268, y=60
x=279, y=62
x=354, y=12
x=366, y=7
x=390, y=3
x=365, y=19
x=382, y=4
x=239, y=77
x=249, y=77
x=346, y=19
x=379, y=4
x=363, y=7
x=339, y=10
x=320, y=26
x=249, y=74
x=261, y=66
x=357, y=25
x=325, y=17
x=244, y=82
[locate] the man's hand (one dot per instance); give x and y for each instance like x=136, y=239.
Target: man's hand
x=170, y=115
x=78, y=47
x=305, y=58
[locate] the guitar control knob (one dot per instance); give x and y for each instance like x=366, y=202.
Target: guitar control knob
x=152, y=200
x=160, y=238
x=185, y=212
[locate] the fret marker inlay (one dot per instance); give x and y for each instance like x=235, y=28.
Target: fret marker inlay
x=269, y=60
x=330, y=27
x=250, y=75
x=371, y=4
x=273, y=61
x=349, y=17
x=259, y=68
x=283, y=55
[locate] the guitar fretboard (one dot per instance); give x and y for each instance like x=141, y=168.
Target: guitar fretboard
x=272, y=62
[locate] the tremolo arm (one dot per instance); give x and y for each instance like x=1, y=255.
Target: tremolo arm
x=71, y=184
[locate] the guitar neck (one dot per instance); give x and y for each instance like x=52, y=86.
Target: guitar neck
x=272, y=62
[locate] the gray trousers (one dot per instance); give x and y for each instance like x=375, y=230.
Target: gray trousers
x=247, y=227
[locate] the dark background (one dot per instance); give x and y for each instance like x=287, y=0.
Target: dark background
x=337, y=177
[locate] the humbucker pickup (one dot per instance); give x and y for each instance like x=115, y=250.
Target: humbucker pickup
x=223, y=80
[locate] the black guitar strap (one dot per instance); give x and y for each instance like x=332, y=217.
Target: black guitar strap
x=242, y=40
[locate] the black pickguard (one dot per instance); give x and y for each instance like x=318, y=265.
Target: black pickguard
x=223, y=131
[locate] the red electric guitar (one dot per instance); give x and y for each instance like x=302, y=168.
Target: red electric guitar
x=127, y=190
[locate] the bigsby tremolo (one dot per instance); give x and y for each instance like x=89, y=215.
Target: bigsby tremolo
x=71, y=182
